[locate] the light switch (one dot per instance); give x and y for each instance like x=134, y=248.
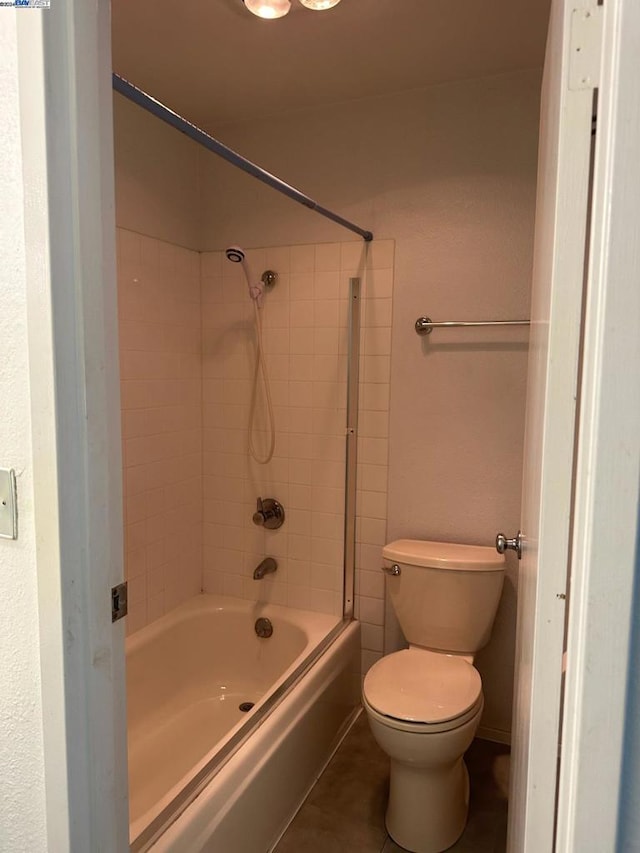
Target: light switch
x=8, y=504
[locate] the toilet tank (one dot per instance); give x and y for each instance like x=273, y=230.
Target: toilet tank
x=446, y=596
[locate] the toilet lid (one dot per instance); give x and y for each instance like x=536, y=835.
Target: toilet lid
x=422, y=687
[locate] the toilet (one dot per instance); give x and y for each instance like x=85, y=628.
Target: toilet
x=424, y=703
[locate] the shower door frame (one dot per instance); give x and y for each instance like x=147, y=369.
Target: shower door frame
x=351, y=452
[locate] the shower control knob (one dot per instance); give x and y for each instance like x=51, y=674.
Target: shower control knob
x=503, y=544
x=269, y=513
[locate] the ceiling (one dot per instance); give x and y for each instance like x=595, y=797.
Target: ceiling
x=214, y=62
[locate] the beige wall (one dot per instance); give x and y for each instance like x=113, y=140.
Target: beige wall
x=156, y=177
x=449, y=174
x=23, y=818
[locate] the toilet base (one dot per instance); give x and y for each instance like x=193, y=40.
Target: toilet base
x=427, y=813
x=428, y=783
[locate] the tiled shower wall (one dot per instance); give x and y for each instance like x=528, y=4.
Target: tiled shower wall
x=187, y=361
x=161, y=392
x=305, y=342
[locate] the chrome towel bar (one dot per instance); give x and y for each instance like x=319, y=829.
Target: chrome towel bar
x=425, y=325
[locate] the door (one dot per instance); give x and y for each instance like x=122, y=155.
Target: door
x=556, y=315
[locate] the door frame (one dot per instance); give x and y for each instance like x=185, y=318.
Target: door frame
x=65, y=78
x=562, y=215
x=605, y=530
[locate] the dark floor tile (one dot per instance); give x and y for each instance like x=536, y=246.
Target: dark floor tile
x=344, y=813
x=360, y=744
x=488, y=766
x=500, y=845
x=355, y=785
x=354, y=792
x=390, y=846
x=479, y=834
x=316, y=831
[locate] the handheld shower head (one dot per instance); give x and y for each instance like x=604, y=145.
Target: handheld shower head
x=235, y=254
x=256, y=288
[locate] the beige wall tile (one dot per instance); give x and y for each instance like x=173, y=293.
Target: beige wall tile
x=161, y=393
x=305, y=341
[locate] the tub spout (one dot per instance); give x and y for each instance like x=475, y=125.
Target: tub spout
x=267, y=566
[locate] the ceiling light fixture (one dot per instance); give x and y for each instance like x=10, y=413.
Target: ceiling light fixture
x=268, y=8
x=319, y=5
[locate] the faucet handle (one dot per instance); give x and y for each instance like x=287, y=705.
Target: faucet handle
x=269, y=513
x=259, y=516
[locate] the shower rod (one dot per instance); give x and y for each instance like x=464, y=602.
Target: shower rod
x=124, y=87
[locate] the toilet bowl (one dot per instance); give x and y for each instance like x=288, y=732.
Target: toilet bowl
x=424, y=703
x=424, y=709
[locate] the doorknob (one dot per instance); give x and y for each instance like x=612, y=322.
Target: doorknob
x=503, y=544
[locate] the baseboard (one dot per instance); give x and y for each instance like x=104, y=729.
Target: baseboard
x=495, y=735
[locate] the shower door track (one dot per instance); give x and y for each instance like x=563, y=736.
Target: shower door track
x=159, y=110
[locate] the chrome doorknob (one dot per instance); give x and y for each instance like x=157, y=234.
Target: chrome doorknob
x=503, y=544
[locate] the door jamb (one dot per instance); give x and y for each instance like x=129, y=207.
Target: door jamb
x=608, y=462
x=64, y=58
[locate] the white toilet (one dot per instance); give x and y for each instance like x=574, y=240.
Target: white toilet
x=424, y=703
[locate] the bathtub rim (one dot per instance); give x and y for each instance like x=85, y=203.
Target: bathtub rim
x=178, y=805
x=217, y=603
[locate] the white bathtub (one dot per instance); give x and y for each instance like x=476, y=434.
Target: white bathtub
x=196, y=775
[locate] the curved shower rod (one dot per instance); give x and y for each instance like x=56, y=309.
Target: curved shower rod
x=124, y=87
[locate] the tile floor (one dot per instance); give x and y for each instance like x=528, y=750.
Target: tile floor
x=344, y=813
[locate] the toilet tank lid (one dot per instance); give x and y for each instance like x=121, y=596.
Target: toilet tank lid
x=444, y=555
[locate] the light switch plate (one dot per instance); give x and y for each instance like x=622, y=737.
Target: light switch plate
x=8, y=504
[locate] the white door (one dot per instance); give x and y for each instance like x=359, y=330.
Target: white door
x=556, y=317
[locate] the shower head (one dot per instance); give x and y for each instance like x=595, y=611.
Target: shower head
x=235, y=254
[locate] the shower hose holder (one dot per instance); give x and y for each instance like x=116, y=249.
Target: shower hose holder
x=269, y=278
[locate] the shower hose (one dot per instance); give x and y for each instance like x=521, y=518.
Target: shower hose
x=261, y=370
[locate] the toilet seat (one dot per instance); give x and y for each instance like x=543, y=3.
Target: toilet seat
x=424, y=728
x=420, y=690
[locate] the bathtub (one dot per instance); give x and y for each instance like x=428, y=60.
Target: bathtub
x=206, y=775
